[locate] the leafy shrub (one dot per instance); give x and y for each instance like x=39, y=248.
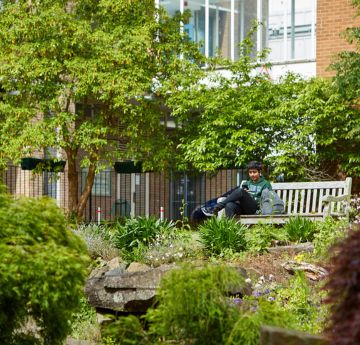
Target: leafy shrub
x=193, y=307
x=262, y=236
x=343, y=291
x=221, y=235
x=329, y=232
x=136, y=234
x=300, y=229
x=99, y=240
x=42, y=272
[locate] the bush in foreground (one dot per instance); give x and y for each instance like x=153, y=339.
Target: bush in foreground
x=42, y=272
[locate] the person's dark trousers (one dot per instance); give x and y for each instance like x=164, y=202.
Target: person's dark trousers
x=237, y=203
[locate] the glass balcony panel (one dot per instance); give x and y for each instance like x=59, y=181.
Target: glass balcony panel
x=244, y=15
x=196, y=26
x=171, y=6
x=275, y=29
x=297, y=16
x=220, y=28
x=299, y=32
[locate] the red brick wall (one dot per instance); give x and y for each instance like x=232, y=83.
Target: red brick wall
x=333, y=17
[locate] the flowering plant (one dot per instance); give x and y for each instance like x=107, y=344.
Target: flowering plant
x=355, y=209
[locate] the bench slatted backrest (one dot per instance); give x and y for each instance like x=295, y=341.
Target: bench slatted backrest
x=306, y=197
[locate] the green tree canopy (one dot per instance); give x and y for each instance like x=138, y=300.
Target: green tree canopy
x=104, y=56
x=300, y=127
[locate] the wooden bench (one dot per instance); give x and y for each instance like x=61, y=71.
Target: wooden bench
x=313, y=200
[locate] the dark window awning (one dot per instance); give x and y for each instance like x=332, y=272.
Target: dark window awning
x=128, y=167
x=30, y=163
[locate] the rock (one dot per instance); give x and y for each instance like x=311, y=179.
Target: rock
x=133, y=290
x=270, y=335
x=114, y=263
x=109, y=269
x=296, y=248
x=125, y=291
x=311, y=271
x=137, y=267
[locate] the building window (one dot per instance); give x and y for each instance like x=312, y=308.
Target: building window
x=220, y=28
x=196, y=26
x=102, y=182
x=291, y=29
x=187, y=192
x=288, y=26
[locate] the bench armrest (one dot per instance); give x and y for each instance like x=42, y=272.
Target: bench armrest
x=330, y=198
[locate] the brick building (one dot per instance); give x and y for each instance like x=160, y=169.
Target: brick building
x=333, y=17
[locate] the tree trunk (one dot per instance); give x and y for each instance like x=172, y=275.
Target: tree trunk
x=73, y=178
x=87, y=190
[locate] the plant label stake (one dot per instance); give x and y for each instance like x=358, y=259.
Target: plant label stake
x=98, y=211
x=162, y=213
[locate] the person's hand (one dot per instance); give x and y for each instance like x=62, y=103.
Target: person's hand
x=216, y=210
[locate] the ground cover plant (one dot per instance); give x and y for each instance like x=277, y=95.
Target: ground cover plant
x=99, y=240
x=43, y=267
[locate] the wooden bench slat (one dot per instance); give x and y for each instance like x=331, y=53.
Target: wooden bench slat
x=308, y=201
x=314, y=200
x=302, y=201
x=290, y=201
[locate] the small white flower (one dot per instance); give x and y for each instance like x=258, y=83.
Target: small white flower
x=248, y=280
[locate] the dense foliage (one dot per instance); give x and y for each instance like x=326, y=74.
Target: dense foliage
x=344, y=292
x=42, y=272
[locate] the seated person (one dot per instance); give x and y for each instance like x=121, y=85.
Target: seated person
x=245, y=199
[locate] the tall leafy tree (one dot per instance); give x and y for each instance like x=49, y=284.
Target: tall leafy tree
x=108, y=57
x=347, y=80
x=301, y=127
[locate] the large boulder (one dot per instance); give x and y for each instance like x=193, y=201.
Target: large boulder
x=121, y=289
x=132, y=289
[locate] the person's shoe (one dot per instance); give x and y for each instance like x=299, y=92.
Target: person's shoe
x=208, y=212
